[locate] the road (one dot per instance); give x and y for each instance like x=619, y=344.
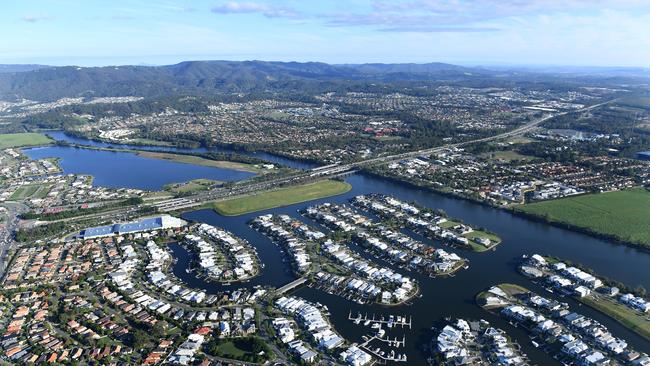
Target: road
x=7, y=229
x=247, y=187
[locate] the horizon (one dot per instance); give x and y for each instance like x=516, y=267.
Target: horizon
x=506, y=66
x=469, y=33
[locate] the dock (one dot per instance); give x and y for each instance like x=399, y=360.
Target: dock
x=392, y=321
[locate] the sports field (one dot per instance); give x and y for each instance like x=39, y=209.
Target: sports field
x=23, y=139
x=281, y=197
x=623, y=214
x=30, y=191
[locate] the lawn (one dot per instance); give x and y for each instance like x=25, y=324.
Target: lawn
x=281, y=197
x=23, y=139
x=623, y=215
x=197, y=160
x=474, y=234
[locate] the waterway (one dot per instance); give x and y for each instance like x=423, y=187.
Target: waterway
x=442, y=297
x=453, y=296
x=291, y=163
x=129, y=170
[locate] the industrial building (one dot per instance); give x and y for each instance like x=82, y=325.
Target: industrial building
x=148, y=224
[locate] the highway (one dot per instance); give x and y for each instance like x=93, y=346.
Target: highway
x=247, y=187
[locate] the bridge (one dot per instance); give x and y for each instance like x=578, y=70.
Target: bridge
x=291, y=285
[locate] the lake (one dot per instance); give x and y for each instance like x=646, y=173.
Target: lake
x=125, y=169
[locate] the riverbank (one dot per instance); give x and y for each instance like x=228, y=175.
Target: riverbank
x=621, y=216
x=645, y=246
x=27, y=139
x=280, y=197
x=197, y=160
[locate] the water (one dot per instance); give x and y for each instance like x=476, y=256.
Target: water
x=442, y=297
x=125, y=169
x=295, y=164
x=454, y=296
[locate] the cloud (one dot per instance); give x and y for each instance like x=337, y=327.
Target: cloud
x=463, y=16
x=234, y=7
x=35, y=18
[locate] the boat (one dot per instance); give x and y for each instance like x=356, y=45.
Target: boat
x=367, y=322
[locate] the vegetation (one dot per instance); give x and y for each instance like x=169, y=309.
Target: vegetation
x=629, y=318
x=197, y=160
x=250, y=349
x=30, y=191
x=23, y=139
x=281, y=197
x=40, y=232
x=622, y=215
x=82, y=211
x=192, y=186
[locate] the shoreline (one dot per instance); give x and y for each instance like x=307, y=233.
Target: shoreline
x=512, y=210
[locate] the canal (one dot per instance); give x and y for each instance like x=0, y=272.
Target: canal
x=442, y=297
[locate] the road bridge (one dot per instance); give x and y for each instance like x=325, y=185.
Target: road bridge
x=291, y=285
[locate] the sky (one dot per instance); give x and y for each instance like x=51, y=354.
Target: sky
x=467, y=32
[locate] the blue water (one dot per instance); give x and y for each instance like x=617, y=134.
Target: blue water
x=442, y=297
x=295, y=164
x=128, y=170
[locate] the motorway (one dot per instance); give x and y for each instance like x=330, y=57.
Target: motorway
x=246, y=187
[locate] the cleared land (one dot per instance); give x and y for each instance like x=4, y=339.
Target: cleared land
x=623, y=215
x=281, y=197
x=507, y=155
x=192, y=186
x=23, y=139
x=197, y=160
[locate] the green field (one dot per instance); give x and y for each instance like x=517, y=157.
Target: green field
x=23, y=139
x=30, y=191
x=506, y=155
x=624, y=215
x=192, y=186
x=281, y=197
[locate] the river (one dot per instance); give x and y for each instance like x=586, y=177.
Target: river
x=443, y=297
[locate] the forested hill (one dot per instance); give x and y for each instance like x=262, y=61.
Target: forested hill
x=209, y=77
x=206, y=77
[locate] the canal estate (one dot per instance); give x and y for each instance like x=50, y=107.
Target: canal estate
x=428, y=298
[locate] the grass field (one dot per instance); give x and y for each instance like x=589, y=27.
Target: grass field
x=624, y=215
x=23, y=139
x=281, y=197
x=197, y=160
x=506, y=155
x=192, y=186
x=30, y=191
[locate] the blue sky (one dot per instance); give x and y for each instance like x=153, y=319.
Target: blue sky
x=472, y=32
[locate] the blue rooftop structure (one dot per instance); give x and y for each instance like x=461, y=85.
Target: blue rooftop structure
x=153, y=223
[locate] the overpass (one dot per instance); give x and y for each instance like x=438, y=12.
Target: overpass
x=332, y=170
